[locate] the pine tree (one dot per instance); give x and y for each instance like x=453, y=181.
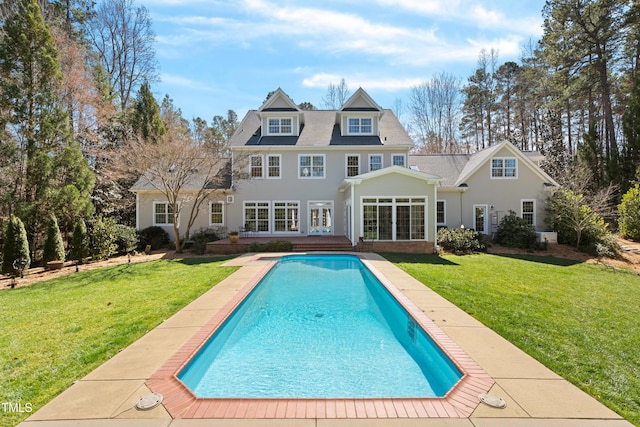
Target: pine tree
x=15, y=245
x=145, y=119
x=53, y=245
x=29, y=77
x=79, y=245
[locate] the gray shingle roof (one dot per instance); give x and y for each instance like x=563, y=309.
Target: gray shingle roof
x=448, y=166
x=320, y=129
x=221, y=181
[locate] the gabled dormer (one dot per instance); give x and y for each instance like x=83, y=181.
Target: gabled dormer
x=280, y=116
x=359, y=116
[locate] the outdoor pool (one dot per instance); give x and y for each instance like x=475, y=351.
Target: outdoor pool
x=320, y=326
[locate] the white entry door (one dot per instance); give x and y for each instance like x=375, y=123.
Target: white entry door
x=320, y=218
x=481, y=218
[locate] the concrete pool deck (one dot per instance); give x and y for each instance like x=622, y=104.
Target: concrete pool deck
x=535, y=396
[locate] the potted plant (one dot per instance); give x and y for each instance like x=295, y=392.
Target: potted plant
x=233, y=236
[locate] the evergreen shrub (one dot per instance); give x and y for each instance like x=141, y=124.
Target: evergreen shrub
x=460, y=240
x=15, y=245
x=629, y=214
x=515, y=232
x=154, y=236
x=53, y=246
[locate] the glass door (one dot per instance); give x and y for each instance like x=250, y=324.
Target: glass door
x=320, y=218
x=480, y=218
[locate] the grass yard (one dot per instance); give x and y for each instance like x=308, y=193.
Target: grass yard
x=55, y=332
x=580, y=320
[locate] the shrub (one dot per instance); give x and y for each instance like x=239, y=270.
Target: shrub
x=576, y=222
x=272, y=246
x=127, y=239
x=79, y=245
x=515, y=232
x=154, y=236
x=460, y=240
x=629, y=214
x=103, y=236
x=201, y=237
x=53, y=246
x=15, y=245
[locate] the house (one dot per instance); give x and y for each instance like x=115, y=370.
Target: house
x=349, y=173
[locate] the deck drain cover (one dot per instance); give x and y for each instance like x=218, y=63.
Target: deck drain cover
x=492, y=400
x=149, y=401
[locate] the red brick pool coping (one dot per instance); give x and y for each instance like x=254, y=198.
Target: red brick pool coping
x=460, y=402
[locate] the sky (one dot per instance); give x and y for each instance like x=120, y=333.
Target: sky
x=215, y=55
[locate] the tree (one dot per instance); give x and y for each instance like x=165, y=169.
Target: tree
x=184, y=172
x=53, y=246
x=15, y=245
x=79, y=244
x=123, y=38
x=435, y=106
x=631, y=145
x=336, y=95
x=583, y=37
x=578, y=219
x=146, y=122
x=629, y=214
x=306, y=106
x=36, y=126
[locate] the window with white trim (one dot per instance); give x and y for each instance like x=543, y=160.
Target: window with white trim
x=280, y=126
x=528, y=211
x=353, y=164
x=311, y=166
x=256, y=216
x=255, y=166
x=273, y=166
x=162, y=213
x=361, y=125
x=286, y=217
x=504, y=167
x=375, y=162
x=398, y=160
x=441, y=212
x=394, y=218
x=216, y=213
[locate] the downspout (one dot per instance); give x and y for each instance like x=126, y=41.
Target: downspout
x=353, y=217
x=137, y=211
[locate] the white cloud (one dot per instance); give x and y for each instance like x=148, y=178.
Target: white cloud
x=173, y=80
x=322, y=80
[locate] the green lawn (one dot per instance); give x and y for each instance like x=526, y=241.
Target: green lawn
x=55, y=332
x=580, y=320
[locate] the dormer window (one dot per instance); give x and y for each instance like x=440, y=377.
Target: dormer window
x=280, y=126
x=360, y=125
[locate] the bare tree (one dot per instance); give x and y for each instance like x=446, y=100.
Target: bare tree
x=123, y=39
x=435, y=113
x=186, y=173
x=336, y=95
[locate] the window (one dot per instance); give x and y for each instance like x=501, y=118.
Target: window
x=353, y=164
x=162, y=213
x=528, y=208
x=398, y=160
x=273, y=166
x=256, y=167
x=256, y=216
x=286, y=217
x=375, y=162
x=441, y=212
x=216, y=213
x=361, y=125
x=504, y=168
x=394, y=218
x=280, y=126
x=311, y=166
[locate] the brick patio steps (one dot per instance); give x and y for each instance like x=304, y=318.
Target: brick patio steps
x=331, y=246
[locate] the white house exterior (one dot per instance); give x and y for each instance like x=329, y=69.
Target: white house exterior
x=349, y=173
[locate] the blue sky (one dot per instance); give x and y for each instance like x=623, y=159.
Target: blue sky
x=219, y=55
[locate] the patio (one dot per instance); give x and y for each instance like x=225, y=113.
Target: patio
x=535, y=396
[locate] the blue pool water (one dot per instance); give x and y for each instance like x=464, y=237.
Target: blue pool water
x=320, y=327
